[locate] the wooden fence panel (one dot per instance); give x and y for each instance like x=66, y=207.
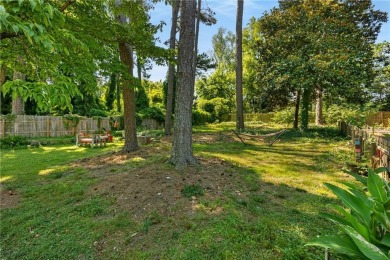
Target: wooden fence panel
x=47, y=126
x=380, y=118
x=381, y=151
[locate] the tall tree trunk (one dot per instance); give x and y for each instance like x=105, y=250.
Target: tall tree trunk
x=196, y=38
x=3, y=74
x=297, y=104
x=319, y=115
x=118, y=94
x=171, y=70
x=126, y=56
x=182, y=136
x=305, y=109
x=17, y=103
x=239, y=96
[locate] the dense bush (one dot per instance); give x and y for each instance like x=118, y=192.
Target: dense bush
x=14, y=141
x=200, y=117
x=216, y=107
x=351, y=114
x=97, y=112
x=153, y=113
x=285, y=116
x=24, y=142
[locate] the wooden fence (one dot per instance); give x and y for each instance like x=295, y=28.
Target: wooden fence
x=49, y=126
x=373, y=142
x=379, y=119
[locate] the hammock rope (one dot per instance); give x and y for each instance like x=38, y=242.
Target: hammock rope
x=272, y=136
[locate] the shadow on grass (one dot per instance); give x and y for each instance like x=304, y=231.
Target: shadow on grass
x=251, y=218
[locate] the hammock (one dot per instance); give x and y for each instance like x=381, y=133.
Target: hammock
x=270, y=138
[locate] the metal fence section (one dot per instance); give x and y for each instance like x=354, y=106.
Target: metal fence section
x=48, y=126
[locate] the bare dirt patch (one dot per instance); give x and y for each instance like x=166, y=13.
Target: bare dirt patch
x=9, y=199
x=156, y=187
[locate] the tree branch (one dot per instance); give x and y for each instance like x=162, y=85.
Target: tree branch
x=68, y=3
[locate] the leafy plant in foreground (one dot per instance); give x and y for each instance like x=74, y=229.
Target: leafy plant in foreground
x=365, y=226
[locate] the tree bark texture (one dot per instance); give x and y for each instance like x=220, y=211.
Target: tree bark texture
x=239, y=95
x=297, y=104
x=305, y=109
x=198, y=10
x=118, y=94
x=126, y=56
x=17, y=103
x=319, y=106
x=171, y=70
x=182, y=155
x=3, y=75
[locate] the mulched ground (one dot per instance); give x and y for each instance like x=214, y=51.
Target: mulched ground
x=157, y=187
x=154, y=187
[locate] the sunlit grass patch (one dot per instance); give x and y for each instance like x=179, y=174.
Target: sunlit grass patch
x=267, y=210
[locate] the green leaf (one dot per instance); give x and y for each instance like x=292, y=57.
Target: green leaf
x=33, y=4
x=335, y=219
x=351, y=185
x=379, y=170
x=352, y=202
x=368, y=249
x=386, y=240
x=381, y=215
x=354, y=222
x=15, y=28
x=358, y=177
x=376, y=187
x=340, y=244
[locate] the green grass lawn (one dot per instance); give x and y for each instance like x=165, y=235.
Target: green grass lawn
x=271, y=212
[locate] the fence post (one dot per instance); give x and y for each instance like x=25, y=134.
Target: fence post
x=48, y=126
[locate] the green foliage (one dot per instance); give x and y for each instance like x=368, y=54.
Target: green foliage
x=351, y=114
x=97, y=112
x=297, y=47
x=217, y=107
x=285, y=116
x=382, y=75
x=33, y=19
x=111, y=92
x=200, y=117
x=189, y=191
x=71, y=120
x=365, y=225
x=153, y=113
x=48, y=97
x=14, y=141
x=142, y=101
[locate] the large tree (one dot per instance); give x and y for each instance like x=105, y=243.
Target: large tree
x=318, y=45
x=182, y=154
x=171, y=69
x=239, y=96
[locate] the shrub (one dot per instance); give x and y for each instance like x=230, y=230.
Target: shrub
x=285, y=116
x=200, y=117
x=14, y=141
x=97, y=112
x=153, y=113
x=217, y=107
x=351, y=114
x=365, y=226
